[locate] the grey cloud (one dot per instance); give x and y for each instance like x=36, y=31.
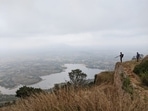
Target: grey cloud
x=97, y=22
x=62, y=17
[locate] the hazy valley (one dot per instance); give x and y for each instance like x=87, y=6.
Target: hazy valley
x=27, y=70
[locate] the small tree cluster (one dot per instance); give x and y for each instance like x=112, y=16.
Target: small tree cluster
x=77, y=77
x=27, y=91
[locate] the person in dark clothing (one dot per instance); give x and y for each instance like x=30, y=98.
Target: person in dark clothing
x=138, y=56
x=121, y=56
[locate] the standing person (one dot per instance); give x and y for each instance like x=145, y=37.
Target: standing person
x=121, y=56
x=137, y=56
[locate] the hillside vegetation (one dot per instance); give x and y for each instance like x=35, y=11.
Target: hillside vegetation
x=113, y=91
x=142, y=71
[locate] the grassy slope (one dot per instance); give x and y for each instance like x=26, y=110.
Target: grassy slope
x=97, y=98
x=101, y=97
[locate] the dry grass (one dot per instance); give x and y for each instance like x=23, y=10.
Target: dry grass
x=96, y=98
x=106, y=77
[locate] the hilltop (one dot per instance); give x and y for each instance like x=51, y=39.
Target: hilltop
x=119, y=90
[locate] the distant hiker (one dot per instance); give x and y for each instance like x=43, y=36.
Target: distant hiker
x=138, y=56
x=121, y=56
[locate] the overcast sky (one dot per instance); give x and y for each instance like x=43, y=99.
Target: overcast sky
x=26, y=24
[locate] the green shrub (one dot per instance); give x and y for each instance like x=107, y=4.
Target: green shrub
x=142, y=71
x=141, y=68
x=144, y=78
x=127, y=85
x=27, y=91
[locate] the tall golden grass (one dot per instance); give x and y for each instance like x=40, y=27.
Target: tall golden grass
x=95, y=98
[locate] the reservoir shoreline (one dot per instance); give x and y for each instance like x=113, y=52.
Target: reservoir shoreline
x=48, y=81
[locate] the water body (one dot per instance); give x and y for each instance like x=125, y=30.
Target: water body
x=49, y=80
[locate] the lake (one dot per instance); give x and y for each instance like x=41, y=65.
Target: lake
x=49, y=80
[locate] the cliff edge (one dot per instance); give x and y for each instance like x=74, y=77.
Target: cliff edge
x=124, y=79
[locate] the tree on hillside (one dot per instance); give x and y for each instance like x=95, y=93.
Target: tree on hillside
x=27, y=91
x=77, y=77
